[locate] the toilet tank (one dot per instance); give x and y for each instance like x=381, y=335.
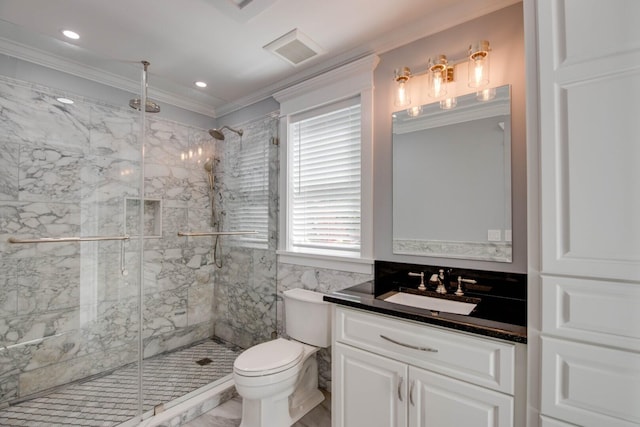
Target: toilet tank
x=307, y=317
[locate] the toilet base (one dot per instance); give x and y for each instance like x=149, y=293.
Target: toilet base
x=286, y=408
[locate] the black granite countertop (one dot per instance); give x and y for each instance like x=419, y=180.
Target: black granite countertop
x=496, y=316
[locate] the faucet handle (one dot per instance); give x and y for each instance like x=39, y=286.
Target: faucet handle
x=422, y=287
x=459, y=291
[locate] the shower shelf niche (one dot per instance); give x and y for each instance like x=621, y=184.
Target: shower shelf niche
x=152, y=217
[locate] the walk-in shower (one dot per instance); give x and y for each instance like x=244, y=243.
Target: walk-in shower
x=104, y=308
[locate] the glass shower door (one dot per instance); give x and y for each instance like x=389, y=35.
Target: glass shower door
x=70, y=283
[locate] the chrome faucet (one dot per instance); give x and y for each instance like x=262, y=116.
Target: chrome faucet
x=442, y=280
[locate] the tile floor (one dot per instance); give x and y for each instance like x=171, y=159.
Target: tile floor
x=111, y=399
x=229, y=413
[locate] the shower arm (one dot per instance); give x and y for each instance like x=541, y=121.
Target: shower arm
x=238, y=132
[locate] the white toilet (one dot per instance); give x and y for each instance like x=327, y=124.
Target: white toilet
x=278, y=380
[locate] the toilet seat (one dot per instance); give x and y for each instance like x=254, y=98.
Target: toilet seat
x=269, y=358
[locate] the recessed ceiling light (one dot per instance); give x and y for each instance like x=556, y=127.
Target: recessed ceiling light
x=200, y=84
x=65, y=100
x=71, y=34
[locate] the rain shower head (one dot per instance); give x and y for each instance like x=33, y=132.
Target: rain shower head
x=217, y=133
x=150, y=106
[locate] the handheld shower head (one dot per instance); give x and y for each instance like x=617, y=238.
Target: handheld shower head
x=208, y=166
x=217, y=133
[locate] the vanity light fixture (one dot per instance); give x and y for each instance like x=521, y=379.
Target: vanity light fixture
x=440, y=79
x=403, y=97
x=479, y=64
x=438, y=76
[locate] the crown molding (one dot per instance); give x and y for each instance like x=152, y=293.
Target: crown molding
x=75, y=68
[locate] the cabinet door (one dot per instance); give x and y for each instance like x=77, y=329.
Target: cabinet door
x=589, y=65
x=439, y=401
x=368, y=390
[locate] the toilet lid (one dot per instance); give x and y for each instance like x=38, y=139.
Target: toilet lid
x=268, y=358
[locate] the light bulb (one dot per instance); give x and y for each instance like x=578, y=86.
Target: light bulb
x=479, y=64
x=402, y=97
x=438, y=77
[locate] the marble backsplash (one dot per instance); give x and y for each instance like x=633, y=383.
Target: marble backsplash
x=67, y=311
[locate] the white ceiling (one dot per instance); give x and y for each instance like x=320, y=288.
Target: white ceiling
x=215, y=41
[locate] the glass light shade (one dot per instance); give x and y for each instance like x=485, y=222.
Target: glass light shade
x=402, y=95
x=479, y=64
x=438, y=77
x=437, y=86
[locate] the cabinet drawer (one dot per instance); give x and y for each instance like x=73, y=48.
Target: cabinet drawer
x=592, y=310
x=481, y=361
x=590, y=385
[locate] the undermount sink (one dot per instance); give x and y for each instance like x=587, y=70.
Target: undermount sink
x=431, y=303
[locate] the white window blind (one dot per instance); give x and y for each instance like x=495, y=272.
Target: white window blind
x=247, y=181
x=325, y=179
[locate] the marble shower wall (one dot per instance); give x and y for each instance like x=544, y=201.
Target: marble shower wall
x=66, y=309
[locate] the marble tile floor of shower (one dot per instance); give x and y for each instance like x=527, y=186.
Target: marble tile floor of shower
x=229, y=413
x=112, y=399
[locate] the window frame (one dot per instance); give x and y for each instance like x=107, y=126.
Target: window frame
x=349, y=81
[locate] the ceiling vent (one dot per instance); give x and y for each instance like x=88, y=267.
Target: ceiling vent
x=294, y=47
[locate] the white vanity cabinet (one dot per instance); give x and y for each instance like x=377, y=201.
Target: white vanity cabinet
x=391, y=372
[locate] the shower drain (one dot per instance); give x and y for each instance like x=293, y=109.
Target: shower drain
x=204, y=361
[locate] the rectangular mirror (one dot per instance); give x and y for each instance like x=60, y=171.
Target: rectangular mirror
x=452, y=179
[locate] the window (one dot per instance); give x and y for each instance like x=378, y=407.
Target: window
x=326, y=176
x=324, y=199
